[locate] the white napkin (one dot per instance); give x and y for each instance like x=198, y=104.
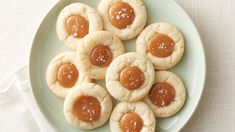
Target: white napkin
x=18, y=110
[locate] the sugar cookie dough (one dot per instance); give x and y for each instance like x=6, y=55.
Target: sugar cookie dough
x=96, y=52
x=130, y=77
x=167, y=95
x=162, y=43
x=63, y=73
x=75, y=21
x=87, y=106
x=132, y=117
x=125, y=18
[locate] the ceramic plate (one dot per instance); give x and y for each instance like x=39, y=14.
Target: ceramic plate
x=191, y=69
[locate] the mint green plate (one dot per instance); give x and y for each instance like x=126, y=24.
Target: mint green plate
x=191, y=69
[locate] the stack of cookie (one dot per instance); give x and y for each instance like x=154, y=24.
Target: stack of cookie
x=138, y=80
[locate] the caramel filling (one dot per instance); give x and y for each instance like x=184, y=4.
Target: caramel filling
x=67, y=75
x=77, y=26
x=131, y=77
x=87, y=109
x=131, y=122
x=161, y=45
x=101, y=56
x=121, y=14
x=162, y=94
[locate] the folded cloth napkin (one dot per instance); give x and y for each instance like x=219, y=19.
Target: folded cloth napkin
x=18, y=111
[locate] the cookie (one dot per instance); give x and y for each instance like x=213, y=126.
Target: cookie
x=162, y=43
x=132, y=117
x=167, y=95
x=87, y=106
x=129, y=77
x=63, y=73
x=75, y=21
x=96, y=52
x=125, y=18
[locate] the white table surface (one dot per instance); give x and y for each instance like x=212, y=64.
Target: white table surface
x=215, y=20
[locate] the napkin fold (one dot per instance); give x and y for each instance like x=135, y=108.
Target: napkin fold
x=18, y=111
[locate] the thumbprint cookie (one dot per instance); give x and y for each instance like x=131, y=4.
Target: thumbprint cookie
x=132, y=117
x=167, y=95
x=162, y=43
x=63, y=74
x=87, y=106
x=125, y=18
x=130, y=77
x=96, y=52
x=75, y=21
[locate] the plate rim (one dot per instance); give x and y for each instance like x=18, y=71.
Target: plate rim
x=195, y=107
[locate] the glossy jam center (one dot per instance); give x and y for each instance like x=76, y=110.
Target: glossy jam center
x=161, y=45
x=67, y=75
x=131, y=122
x=76, y=26
x=101, y=56
x=131, y=77
x=162, y=94
x=87, y=109
x=121, y=15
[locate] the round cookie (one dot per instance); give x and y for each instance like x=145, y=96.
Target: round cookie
x=162, y=44
x=96, y=52
x=167, y=96
x=75, y=21
x=125, y=18
x=132, y=117
x=88, y=106
x=129, y=77
x=63, y=73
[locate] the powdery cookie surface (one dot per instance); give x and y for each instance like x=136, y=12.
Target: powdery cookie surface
x=139, y=108
x=88, y=89
x=90, y=14
x=52, y=70
x=180, y=94
x=166, y=29
x=113, y=84
x=89, y=43
x=133, y=29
